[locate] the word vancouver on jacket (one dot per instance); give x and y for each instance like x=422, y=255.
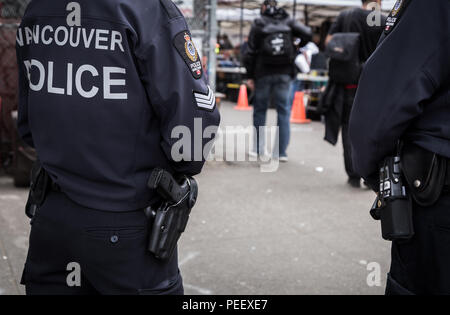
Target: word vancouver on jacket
x=85, y=80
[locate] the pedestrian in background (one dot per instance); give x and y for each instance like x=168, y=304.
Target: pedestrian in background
x=270, y=63
x=337, y=101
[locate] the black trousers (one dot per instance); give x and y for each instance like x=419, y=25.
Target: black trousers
x=349, y=98
x=108, y=247
x=422, y=265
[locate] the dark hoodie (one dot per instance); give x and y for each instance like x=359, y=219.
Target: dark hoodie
x=254, y=60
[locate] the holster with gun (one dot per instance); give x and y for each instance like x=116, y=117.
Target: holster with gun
x=170, y=219
x=415, y=175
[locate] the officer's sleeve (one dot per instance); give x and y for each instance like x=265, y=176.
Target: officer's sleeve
x=22, y=120
x=397, y=81
x=301, y=31
x=172, y=73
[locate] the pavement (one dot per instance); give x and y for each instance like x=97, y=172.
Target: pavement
x=299, y=230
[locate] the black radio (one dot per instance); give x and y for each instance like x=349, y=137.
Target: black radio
x=393, y=205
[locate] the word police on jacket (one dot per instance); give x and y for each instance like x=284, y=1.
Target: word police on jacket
x=85, y=80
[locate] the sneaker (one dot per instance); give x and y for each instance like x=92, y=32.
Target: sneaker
x=284, y=159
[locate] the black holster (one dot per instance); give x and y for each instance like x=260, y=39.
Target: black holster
x=393, y=205
x=168, y=222
x=425, y=172
x=397, y=219
x=415, y=176
x=39, y=188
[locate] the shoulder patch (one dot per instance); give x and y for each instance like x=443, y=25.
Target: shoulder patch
x=186, y=48
x=395, y=15
x=205, y=101
x=170, y=8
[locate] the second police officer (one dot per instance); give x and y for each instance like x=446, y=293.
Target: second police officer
x=404, y=97
x=102, y=86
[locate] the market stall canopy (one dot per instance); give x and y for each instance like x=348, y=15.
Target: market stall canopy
x=316, y=10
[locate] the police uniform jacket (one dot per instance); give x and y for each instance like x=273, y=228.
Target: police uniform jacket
x=404, y=92
x=107, y=87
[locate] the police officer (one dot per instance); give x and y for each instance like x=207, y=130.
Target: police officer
x=103, y=85
x=403, y=96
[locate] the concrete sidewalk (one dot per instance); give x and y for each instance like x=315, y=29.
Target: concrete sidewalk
x=300, y=230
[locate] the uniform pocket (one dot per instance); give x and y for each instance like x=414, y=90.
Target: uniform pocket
x=117, y=237
x=121, y=232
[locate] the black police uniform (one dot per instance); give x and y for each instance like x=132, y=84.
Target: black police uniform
x=404, y=95
x=103, y=84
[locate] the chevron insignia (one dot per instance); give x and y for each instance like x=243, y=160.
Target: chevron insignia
x=205, y=101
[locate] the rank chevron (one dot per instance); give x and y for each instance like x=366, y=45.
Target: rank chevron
x=205, y=101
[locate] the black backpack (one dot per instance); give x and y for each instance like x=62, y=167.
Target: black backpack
x=277, y=45
x=344, y=53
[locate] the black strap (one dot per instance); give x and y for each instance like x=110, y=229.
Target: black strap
x=171, y=9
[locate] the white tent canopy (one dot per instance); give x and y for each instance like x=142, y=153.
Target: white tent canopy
x=230, y=10
x=386, y=5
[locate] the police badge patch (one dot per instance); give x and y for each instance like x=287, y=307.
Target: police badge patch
x=395, y=15
x=186, y=48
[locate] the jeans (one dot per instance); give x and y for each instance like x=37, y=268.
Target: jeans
x=277, y=87
x=296, y=86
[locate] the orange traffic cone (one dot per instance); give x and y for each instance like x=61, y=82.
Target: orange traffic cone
x=298, y=110
x=243, y=99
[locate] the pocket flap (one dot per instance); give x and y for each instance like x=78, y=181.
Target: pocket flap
x=425, y=173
